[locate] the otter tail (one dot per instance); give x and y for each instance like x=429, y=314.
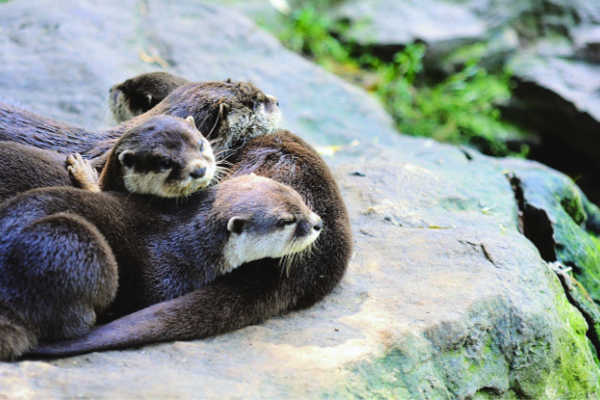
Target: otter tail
x=208, y=311
x=17, y=125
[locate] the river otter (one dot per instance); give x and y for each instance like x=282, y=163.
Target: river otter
x=62, y=247
x=228, y=113
x=164, y=156
x=257, y=290
x=139, y=94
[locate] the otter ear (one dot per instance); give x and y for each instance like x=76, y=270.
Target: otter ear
x=236, y=224
x=127, y=158
x=190, y=120
x=224, y=109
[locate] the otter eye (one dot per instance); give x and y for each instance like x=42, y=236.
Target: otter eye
x=127, y=158
x=164, y=163
x=201, y=145
x=286, y=221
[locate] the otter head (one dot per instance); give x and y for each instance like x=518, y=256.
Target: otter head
x=264, y=219
x=139, y=94
x=163, y=156
x=228, y=113
x=251, y=113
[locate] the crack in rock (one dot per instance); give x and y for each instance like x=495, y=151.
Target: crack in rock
x=536, y=226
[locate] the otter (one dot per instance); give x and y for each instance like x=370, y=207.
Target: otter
x=83, y=254
x=228, y=113
x=139, y=94
x=163, y=156
x=257, y=290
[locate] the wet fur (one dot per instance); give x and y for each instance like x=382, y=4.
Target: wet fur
x=257, y=290
x=209, y=103
x=24, y=167
x=64, y=251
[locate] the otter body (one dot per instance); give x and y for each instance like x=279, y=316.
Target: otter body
x=25, y=167
x=257, y=290
x=151, y=249
x=230, y=112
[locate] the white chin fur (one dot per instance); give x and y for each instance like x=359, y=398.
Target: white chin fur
x=153, y=183
x=246, y=247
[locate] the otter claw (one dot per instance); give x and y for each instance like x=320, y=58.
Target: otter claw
x=84, y=175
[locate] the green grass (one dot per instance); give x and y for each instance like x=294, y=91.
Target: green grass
x=463, y=108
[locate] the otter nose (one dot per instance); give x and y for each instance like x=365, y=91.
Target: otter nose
x=273, y=100
x=114, y=94
x=317, y=223
x=318, y=226
x=198, y=172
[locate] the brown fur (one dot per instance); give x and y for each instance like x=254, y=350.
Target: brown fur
x=256, y=291
x=209, y=103
x=61, y=247
x=24, y=167
x=139, y=94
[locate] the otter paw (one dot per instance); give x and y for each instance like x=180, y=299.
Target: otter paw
x=84, y=175
x=14, y=339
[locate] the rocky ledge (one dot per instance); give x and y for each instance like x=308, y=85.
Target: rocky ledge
x=464, y=282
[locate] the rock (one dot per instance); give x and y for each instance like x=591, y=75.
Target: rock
x=443, y=298
x=587, y=44
x=389, y=23
x=552, y=47
x=558, y=218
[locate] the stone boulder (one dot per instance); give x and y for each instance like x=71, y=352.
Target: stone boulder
x=551, y=46
x=444, y=298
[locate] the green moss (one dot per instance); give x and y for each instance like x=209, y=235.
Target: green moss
x=463, y=54
x=575, y=375
x=501, y=356
x=463, y=108
x=573, y=206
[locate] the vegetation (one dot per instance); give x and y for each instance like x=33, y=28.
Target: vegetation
x=463, y=108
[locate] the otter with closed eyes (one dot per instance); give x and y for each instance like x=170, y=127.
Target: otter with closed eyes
x=256, y=290
x=228, y=113
x=69, y=255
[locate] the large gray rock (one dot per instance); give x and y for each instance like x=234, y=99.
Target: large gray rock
x=552, y=47
x=443, y=298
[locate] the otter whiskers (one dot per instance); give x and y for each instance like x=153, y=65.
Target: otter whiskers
x=294, y=257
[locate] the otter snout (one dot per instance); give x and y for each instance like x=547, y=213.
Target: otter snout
x=309, y=226
x=201, y=169
x=272, y=101
x=198, y=172
x=317, y=223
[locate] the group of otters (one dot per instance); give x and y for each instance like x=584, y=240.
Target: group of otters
x=152, y=249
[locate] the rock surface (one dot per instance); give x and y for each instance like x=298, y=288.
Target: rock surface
x=551, y=46
x=443, y=298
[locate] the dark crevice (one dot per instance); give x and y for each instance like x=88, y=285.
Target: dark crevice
x=466, y=153
x=536, y=226
x=591, y=332
x=534, y=222
x=490, y=391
